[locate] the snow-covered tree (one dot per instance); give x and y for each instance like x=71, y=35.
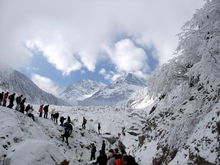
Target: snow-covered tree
x=198, y=60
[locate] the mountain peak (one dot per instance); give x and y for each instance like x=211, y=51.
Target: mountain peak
x=130, y=78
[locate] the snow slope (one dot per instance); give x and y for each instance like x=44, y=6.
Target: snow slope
x=14, y=81
x=19, y=132
x=182, y=130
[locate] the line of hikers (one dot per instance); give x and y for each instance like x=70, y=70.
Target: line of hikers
x=20, y=103
x=113, y=157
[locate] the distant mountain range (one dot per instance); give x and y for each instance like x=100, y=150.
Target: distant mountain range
x=80, y=90
x=117, y=93
x=83, y=93
x=14, y=81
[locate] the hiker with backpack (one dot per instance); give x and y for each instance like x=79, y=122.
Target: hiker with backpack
x=84, y=123
x=67, y=132
x=55, y=117
x=18, y=102
x=52, y=113
x=1, y=97
x=93, y=151
x=11, y=100
x=30, y=112
x=5, y=97
x=27, y=108
x=46, y=109
x=22, y=105
x=41, y=110
x=62, y=120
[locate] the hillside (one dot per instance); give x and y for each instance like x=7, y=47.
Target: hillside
x=183, y=122
x=14, y=81
x=19, y=132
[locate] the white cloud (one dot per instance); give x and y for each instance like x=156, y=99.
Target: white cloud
x=44, y=83
x=102, y=71
x=127, y=57
x=71, y=32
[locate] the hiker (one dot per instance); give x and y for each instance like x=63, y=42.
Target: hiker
x=52, y=113
x=18, y=102
x=84, y=123
x=101, y=159
x=27, y=108
x=5, y=97
x=123, y=131
x=41, y=110
x=46, y=108
x=1, y=97
x=67, y=132
x=68, y=119
x=99, y=128
x=129, y=160
x=118, y=157
x=111, y=157
x=93, y=151
x=55, y=117
x=30, y=112
x=22, y=106
x=62, y=120
x=11, y=100
x=103, y=146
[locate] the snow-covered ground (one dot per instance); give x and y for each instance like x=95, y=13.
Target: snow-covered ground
x=24, y=141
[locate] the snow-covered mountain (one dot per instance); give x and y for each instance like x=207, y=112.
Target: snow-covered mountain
x=118, y=92
x=14, y=81
x=80, y=91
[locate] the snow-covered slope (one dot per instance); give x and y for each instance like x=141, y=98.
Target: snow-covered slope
x=118, y=92
x=24, y=141
x=80, y=91
x=183, y=124
x=14, y=81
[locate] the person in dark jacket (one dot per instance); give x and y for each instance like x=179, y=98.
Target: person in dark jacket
x=99, y=128
x=93, y=151
x=129, y=160
x=11, y=100
x=62, y=120
x=5, y=97
x=22, y=105
x=67, y=132
x=46, y=109
x=18, y=102
x=103, y=146
x=56, y=116
x=27, y=108
x=1, y=97
x=101, y=159
x=68, y=119
x=84, y=123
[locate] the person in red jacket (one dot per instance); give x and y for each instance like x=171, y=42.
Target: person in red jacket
x=41, y=110
x=5, y=99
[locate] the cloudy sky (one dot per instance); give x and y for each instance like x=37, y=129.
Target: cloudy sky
x=58, y=42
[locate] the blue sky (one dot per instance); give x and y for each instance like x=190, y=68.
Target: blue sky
x=57, y=43
x=39, y=65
